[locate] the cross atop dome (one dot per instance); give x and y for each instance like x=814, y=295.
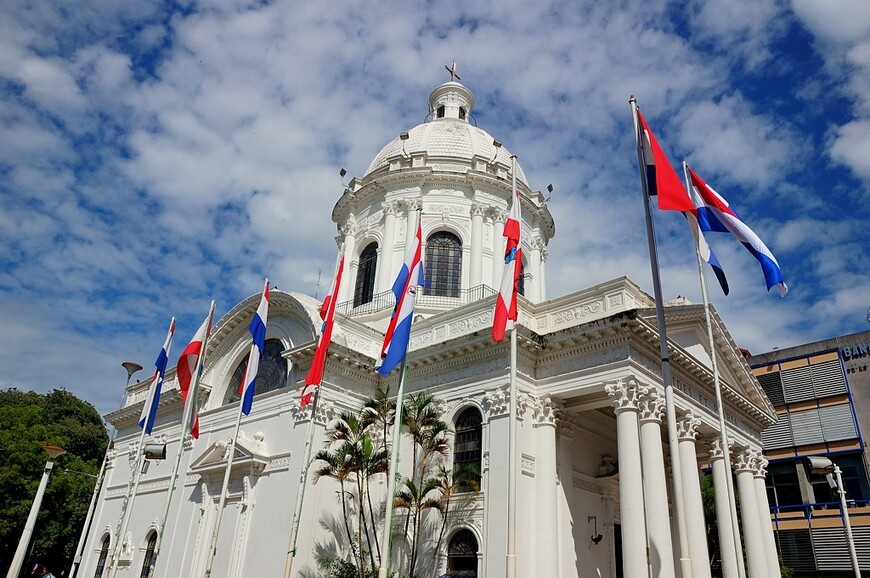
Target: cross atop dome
x=452, y=70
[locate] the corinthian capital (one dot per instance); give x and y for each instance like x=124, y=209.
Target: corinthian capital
x=687, y=426
x=623, y=395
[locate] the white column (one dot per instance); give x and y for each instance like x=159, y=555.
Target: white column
x=348, y=276
x=760, y=474
x=756, y=557
x=476, y=269
x=723, y=510
x=533, y=292
x=655, y=488
x=687, y=431
x=635, y=563
x=498, y=219
x=546, y=553
x=385, y=271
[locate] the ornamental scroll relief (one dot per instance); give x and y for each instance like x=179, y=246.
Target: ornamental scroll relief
x=580, y=312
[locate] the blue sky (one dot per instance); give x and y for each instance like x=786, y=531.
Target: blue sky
x=155, y=156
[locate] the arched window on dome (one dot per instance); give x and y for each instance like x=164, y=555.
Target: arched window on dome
x=271, y=373
x=365, y=275
x=104, y=554
x=462, y=555
x=443, y=264
x=440, y=112
x=149, y=555
x=467, y=449
x=462, y=113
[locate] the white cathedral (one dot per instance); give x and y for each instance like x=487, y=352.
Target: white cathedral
x=593, y=479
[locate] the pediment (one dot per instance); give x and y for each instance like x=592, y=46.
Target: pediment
x=250, y=454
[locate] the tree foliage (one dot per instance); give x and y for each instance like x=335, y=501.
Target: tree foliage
x=28, y=421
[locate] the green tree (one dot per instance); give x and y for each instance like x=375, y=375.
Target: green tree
x=28, y=421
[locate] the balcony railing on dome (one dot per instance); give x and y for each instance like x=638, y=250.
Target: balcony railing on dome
x=386, y=300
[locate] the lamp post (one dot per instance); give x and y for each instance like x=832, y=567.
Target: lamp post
x=827, y=467
x=131, y=367
x=24, y=542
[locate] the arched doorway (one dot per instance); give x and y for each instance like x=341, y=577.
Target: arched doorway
x=462, y=555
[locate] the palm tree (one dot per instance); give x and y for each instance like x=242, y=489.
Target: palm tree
x=379, y=412
x=350, y=431
x=336, y=464
x=414, y=499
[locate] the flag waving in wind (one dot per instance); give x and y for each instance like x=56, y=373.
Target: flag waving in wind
x=506, y=302
x=405, y=289
x=258, y=332
x=327, y=313
x=189, y=362
x=715, y=214
x=663, y=183
x=149, y=410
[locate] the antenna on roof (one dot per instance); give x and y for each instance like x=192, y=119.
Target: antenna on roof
x=317, y=287
x=549, y=190
x=342, y=174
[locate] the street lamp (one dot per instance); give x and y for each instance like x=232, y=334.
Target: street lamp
x=24, y=542
x=820, y=465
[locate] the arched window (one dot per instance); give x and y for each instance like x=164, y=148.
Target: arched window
x=271, y=373
x=462, y=555
x=101, y=561
x=365, y=275
x=467, y=449
x=149, y=556
x=521, y=282
x=440, y=111
x=443, y=264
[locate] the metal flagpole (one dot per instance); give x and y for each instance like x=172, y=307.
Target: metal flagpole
x=303, y=480
x=511, y=557
x=717, y=386
x=230, y=457
x=132, y=485
x=670, y=410
x=387, y=537
x=186, y=419
x=131, y=368
x=127, y=505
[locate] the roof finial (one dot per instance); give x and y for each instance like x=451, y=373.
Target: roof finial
x=452, y=70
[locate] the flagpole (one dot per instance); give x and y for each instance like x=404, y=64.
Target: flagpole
x=511, y=557
x=723, y=435
x=185, y=432
x=387, y=537
x=303, y=481
x=226, y=483
x=670, y=410
x=131, y=368
x=133, y=484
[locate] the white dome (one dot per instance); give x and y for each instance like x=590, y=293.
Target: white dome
x=447, y=137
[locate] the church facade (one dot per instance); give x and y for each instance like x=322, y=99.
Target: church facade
x=593, y=489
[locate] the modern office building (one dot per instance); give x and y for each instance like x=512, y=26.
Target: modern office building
x=821, y=392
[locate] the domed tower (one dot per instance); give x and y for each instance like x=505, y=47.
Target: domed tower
x=459, y=179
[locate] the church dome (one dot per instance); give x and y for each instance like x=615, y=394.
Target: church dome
x=449, y=136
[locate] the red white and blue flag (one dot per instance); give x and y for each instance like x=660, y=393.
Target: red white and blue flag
x=149, y=410
x=663, y=183
x=505, y=314
x=187, y=366
x=258, y=332
x=716, y=215
x=405, y=289
x=327, y=313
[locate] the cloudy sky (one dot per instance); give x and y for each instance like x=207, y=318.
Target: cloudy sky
x=154, y=156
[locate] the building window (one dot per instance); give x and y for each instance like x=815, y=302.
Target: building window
x=467, y=449
x=149, y=556
x=101, y=561
x=440, y=112
x=271, y=373
x=443, y=264
x=462, y=113
x=783, y=486
x=521, y=282
x=462, y=555
x=365, y=275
